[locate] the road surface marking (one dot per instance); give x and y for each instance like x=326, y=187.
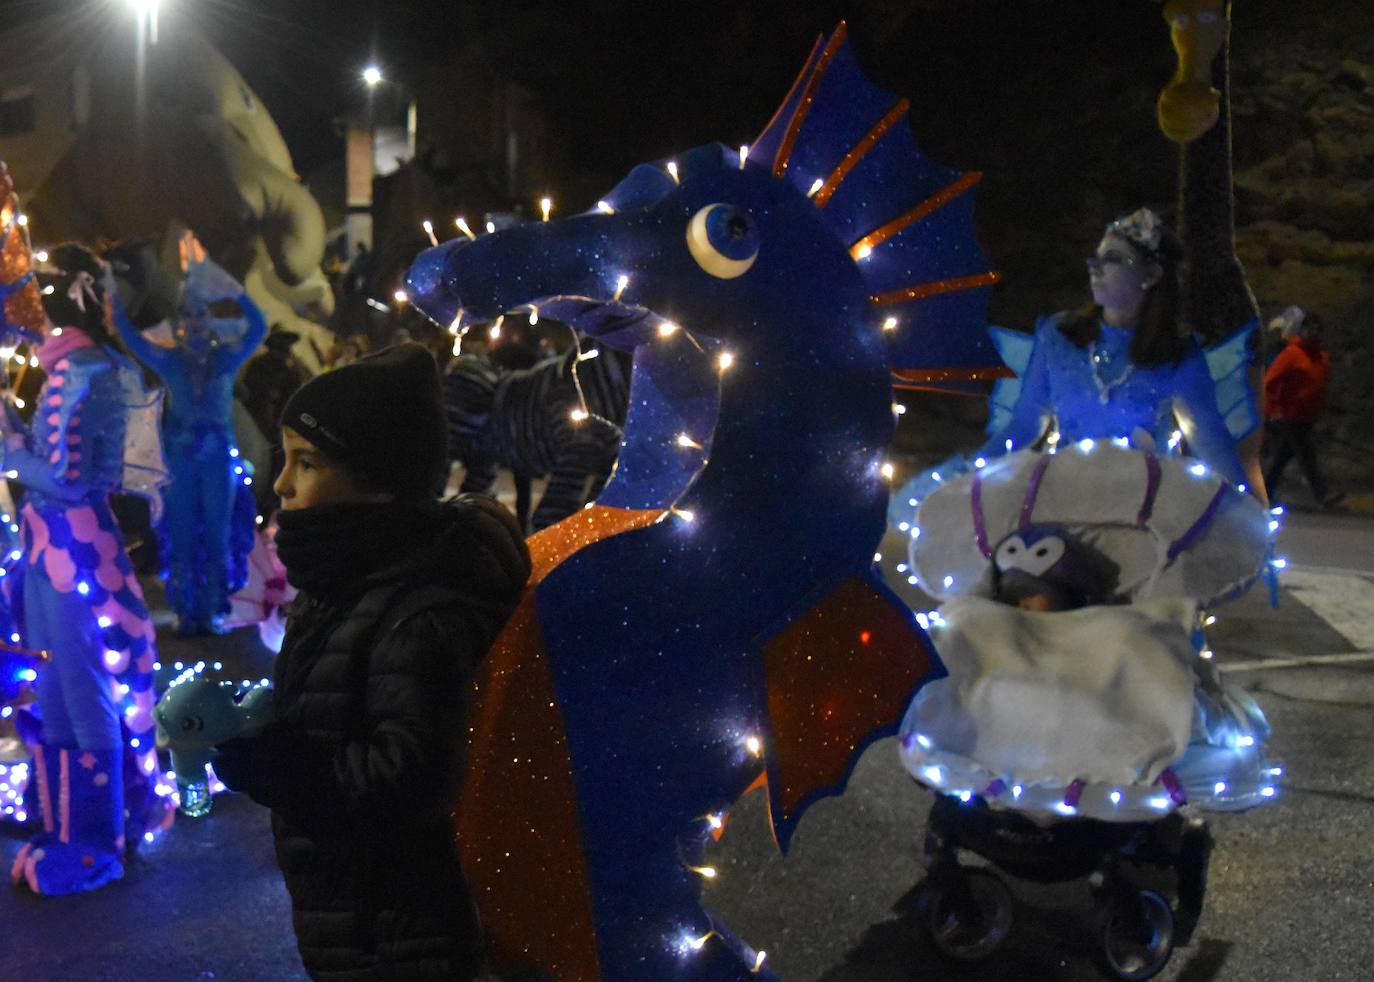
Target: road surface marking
x=1261, y=664
x=1343, y=599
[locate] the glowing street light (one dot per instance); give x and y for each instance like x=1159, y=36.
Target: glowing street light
x=372, y=75
x=146, y=11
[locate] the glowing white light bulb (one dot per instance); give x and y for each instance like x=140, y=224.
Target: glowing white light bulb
x=706, y=872
x=753, y=744
x=887, y=470
x=758, y=960
x=1198, y=470
x=545, y=207
x=863, y=252
x=948, y=582
x=816, y=185
x=1219, y=787
x=915, y=531
x=1116, y=797
x=463, y=227
x=1245, y=741
x=605, y=208
x=671, y=168
x=22, y=219
x=1205, y=654
x=743, y=155
x=1086, y=445
x=933, y=773
x=1279, y=563
x=56, y=332
x=428, y=226
x=621, y=282
x=400, y=296
x=490, y=227
x=715, y=821
x=372, y=75
x=685, y=514
x=683, y=440
x=890, y=324
x=578, y=415
x=725, y=360
x=980, y=463
x=667, y=329
x=1268, y=792
x=899, y=409
x=41, y=255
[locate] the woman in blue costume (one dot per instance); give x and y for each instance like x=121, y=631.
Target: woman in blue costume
x=198, y=438
x=94, y=756
x=1121, y=367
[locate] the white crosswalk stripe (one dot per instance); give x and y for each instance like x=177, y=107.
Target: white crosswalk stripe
x=1342, y=598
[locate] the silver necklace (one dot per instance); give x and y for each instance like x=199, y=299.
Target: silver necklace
x=1104, y=389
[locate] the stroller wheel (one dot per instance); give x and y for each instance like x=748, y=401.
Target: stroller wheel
x=1137, y=933
x=968, y=914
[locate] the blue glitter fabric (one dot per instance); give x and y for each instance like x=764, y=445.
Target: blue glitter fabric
x=765, y=300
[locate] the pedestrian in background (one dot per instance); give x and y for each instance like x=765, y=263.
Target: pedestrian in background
x=400, y=597
x=1295, y=386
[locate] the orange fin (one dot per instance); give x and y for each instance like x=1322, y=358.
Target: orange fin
x=839, y=677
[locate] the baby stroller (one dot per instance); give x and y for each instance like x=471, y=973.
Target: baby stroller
x=1079, y=732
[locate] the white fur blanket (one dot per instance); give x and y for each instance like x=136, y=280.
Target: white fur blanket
x=1099, y=694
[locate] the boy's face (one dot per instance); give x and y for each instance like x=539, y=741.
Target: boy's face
x=310, y=478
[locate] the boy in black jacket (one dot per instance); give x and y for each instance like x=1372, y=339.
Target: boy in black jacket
x=400, y=598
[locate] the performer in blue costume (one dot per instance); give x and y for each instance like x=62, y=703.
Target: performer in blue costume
x=202, y=524
x=1119, y=368
x=95, y=757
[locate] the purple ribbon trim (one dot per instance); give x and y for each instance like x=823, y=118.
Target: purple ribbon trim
x=1147, y=506
x=1198, y=527
x=980, y=531
x=1171, y=784
x=1073, y=793
x=1033, y=489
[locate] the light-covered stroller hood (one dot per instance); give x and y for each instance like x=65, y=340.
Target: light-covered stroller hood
x=1173, y=526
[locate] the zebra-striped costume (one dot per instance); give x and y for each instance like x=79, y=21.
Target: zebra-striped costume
x=522, y=420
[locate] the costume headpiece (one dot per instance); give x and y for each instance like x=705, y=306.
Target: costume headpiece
x=1142, y=227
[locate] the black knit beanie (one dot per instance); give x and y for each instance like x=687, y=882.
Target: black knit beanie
x=381, y=418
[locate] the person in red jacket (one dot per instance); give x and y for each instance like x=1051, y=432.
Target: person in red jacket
x=1294, y=399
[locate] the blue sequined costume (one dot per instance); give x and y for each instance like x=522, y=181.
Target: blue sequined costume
x=207, y=533
x=1098, y=393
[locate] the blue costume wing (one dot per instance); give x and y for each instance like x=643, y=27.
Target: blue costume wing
x=1014, y=348
x=1228, y=363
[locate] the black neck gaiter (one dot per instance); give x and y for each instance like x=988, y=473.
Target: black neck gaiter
x=330, y=551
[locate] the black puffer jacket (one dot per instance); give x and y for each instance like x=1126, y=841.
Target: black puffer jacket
x=362, y=762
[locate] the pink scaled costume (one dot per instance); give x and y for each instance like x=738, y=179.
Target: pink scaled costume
x=95, y=763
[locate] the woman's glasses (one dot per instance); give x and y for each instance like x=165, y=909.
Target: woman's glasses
x=1098, y=263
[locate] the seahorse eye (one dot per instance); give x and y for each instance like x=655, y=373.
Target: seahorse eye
x=723, y=240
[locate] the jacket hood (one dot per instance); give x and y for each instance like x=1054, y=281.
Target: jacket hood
x=477, y=548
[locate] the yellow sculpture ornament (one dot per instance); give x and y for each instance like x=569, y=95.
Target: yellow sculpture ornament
x=1189, y=106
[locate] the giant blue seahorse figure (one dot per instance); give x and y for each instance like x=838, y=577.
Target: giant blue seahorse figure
x=715, y=616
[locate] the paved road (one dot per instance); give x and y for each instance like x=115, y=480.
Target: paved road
x=1291, y=895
